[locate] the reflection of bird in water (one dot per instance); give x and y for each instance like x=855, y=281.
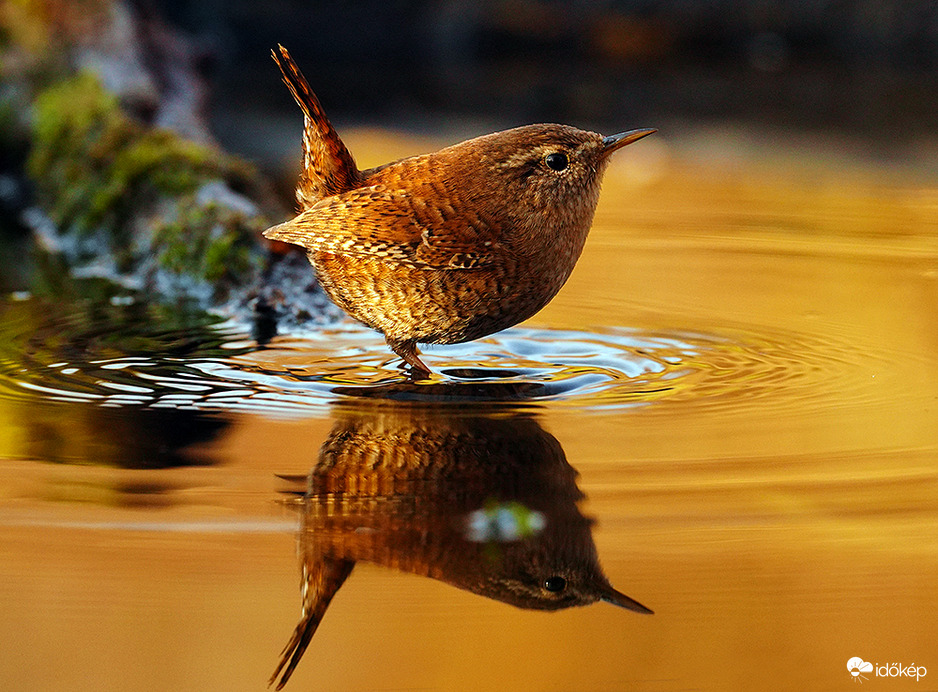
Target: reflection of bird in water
x=487, y=504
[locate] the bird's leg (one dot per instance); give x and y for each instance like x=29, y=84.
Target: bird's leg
x=408, y=351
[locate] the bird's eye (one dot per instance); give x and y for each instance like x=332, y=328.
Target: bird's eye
x=555, y=584
x=556, y=161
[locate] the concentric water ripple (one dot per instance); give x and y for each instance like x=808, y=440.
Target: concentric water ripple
x=601, y=370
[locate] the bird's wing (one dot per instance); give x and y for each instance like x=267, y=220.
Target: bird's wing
x=394, y=226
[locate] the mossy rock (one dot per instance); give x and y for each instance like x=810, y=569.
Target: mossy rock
x=150, y=194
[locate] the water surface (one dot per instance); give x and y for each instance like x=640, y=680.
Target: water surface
x=731, y=411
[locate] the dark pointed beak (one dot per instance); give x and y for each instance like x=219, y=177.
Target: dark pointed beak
x=613, y=142
x=609, y=594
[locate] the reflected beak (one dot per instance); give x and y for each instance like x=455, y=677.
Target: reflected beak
x=609, y=594
x=613, y=142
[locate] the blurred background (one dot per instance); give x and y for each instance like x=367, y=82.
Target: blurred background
x=867, y=69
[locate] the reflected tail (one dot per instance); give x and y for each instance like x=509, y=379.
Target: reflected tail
x=320, y=584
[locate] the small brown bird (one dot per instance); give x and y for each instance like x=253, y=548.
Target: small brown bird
x=451, y=246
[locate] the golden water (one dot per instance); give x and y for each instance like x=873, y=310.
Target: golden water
x=743, y=369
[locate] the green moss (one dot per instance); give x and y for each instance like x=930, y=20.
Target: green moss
x=99, y=170
x=209, y=241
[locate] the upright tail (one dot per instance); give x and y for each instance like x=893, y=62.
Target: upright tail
x=328, y=167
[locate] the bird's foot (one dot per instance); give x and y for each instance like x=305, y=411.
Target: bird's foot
x=415, y=368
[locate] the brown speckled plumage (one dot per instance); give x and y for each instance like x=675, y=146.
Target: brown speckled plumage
x=450, y=246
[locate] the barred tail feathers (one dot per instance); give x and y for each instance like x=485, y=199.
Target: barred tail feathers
x=328, y=167
x=297, y=84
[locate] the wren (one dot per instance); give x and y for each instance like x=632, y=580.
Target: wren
x=451, y=246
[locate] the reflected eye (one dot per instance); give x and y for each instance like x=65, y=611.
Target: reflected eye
x=555, y=584
x=556, y=161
